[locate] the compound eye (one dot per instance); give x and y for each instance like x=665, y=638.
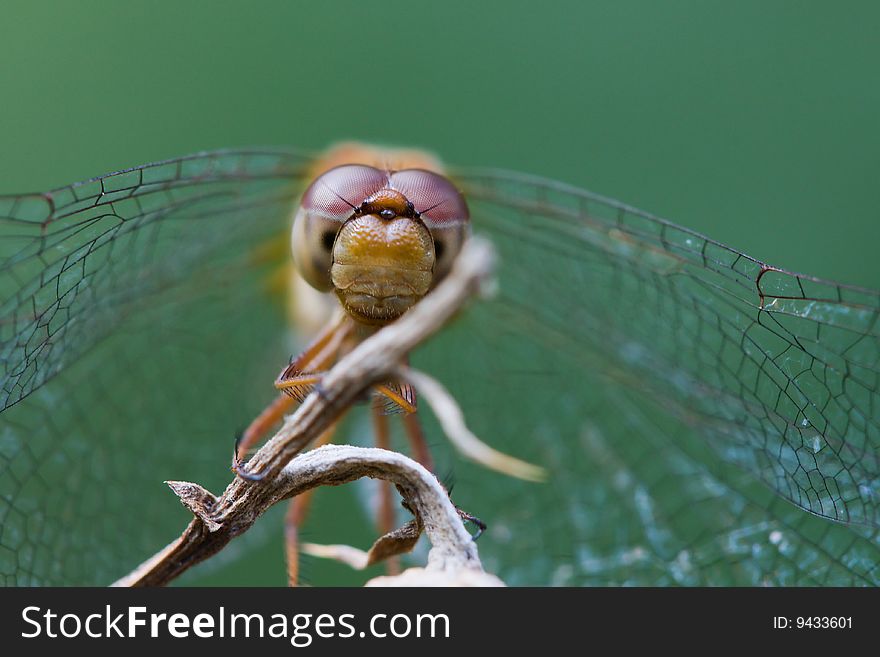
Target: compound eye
x=447, y=244
x=443, y=210
x=433, y=196
x=327, y=203
x=312, y=241
x=338, y=192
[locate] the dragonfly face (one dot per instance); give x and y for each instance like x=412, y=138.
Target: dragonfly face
x=706, y=418
x=380, y=239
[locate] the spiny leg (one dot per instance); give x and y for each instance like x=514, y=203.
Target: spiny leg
x=295, y=383
x=297, y=379
x=261, y=425
x=316, y=356
x=402, y=398
x=298, y=386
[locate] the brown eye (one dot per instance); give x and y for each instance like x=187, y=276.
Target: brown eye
x=441, y=207
x=336, y=195
x=325, y=206
x=337, y=192
x=433, y=196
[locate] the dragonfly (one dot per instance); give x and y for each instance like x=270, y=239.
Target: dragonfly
x=707, y=418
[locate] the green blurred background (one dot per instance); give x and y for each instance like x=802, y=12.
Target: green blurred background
x=752, y=122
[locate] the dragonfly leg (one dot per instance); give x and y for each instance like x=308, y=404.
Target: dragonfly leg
x=417, y=442
x=401, y=397
x=304, y=371
x=298, y=386
x=316, y=356
x=479, y=524
x=385, y=518
x=261, y=425
x=404, y=397
x=297, y=511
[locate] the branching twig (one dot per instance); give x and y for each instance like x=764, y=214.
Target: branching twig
x=452, y=421
x=453, y=552
x=219, y=520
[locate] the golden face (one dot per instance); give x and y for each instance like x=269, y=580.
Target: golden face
x=380, y=239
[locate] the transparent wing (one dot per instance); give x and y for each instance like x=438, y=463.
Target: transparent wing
x=133, y=309
x=707, y=419
x=72, y=256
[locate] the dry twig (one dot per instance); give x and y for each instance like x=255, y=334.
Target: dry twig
x=220, y=519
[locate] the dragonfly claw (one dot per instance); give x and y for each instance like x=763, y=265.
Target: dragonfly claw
x=238, y=465
x=467, y=517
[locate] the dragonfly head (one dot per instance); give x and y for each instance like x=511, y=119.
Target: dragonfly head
x=379, y=239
